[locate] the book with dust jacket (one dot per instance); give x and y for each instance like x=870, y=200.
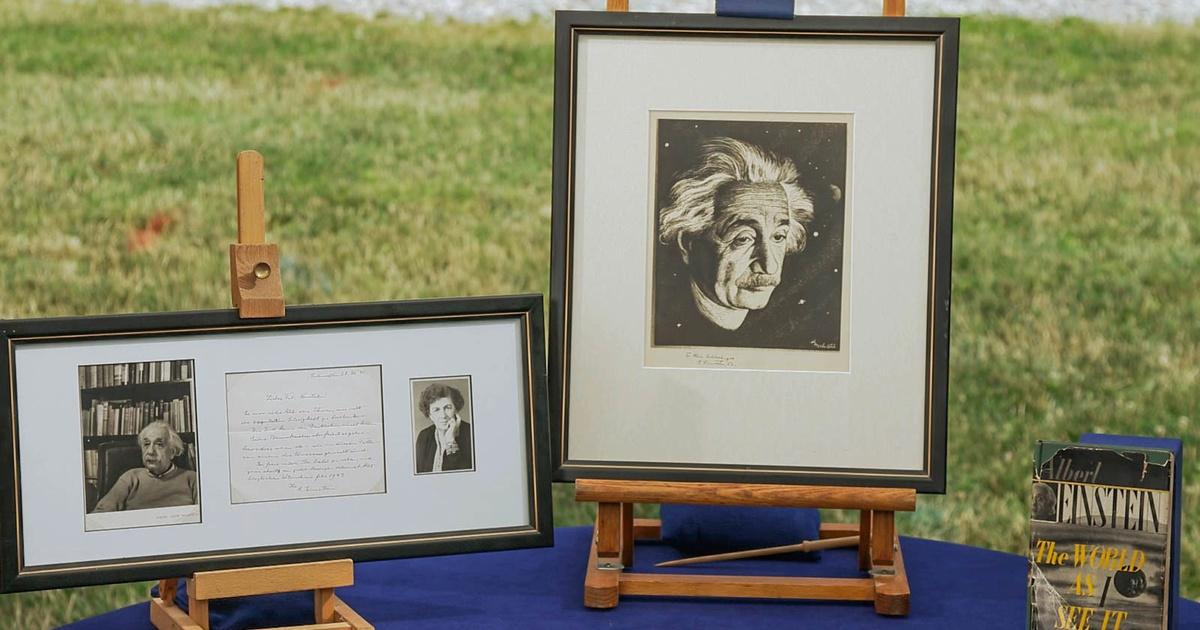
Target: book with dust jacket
x=1100, y=534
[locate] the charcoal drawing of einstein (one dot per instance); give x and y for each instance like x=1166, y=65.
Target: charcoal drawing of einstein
x=732, y=232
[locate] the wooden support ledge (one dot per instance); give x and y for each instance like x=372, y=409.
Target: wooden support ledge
x=620, y=491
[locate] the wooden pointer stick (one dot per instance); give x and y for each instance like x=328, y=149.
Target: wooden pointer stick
x=808, y=545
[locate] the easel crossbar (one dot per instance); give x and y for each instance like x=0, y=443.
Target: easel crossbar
x=339, y=625
x=749, y=586
x=626, y=491
x=273, y=579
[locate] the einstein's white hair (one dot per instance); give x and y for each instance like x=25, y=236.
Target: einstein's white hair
x=728, y=161
x=174, y=442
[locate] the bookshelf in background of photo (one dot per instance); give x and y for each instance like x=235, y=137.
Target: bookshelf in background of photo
x=118, y=399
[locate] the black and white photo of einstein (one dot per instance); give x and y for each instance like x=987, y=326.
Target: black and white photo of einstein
x=749, y=230
x=443, y=430
x=159, y=482
x=1045, y=503
x=140, y=453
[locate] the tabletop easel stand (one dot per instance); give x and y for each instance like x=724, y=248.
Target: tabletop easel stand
x=616, y=531
x=329, y=611
x=257, y=292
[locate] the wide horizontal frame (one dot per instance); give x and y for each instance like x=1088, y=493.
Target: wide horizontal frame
x=525, y=309
x=944, y=34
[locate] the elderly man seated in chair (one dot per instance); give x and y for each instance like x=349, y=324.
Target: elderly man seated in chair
x=161, y=483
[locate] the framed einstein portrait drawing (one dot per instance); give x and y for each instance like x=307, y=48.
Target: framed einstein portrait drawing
x=144, y=446
x=751, y=244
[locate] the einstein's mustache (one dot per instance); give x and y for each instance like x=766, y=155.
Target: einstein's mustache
x=758, y=281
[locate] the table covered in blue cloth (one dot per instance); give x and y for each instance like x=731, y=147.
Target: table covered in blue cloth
x=953, y=586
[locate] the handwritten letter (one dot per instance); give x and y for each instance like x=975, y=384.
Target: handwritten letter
x=297, y=434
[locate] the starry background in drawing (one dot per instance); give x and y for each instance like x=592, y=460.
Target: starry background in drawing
x=805, y=310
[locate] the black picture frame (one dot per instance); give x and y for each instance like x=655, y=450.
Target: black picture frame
x=571, y=27
x=523, y=312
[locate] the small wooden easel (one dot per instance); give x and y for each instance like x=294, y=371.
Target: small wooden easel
x=257, y=291
x=330, y=612
x=616, y=529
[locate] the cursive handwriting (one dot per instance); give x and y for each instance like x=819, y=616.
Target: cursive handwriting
x=712, y=359
x=308, y=434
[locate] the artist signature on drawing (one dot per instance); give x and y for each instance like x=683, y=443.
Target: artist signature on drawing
x=823, y=346
x=711, y=359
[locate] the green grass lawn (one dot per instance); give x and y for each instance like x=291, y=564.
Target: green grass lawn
x=413, y=159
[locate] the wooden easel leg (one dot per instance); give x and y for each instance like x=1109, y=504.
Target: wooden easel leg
x=164, y=614
x=864, y=540
x=343, y=612
x=892, y=592
x=601, y=587
x=167, y=590
x=887, y=566
x=883, y=534
x=323, y=601
x=197, y=609
x=627, y=535
x=608, y=535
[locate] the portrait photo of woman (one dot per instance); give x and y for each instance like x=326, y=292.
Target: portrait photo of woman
x=441, y=423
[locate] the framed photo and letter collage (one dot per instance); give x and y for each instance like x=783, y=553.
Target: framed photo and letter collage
x=144, y=445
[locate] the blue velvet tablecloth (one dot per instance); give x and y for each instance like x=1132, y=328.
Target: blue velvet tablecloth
x=953, y=586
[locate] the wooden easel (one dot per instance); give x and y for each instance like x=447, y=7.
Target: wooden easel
x=257, y=292
x=330, y=612
x=616, y=530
